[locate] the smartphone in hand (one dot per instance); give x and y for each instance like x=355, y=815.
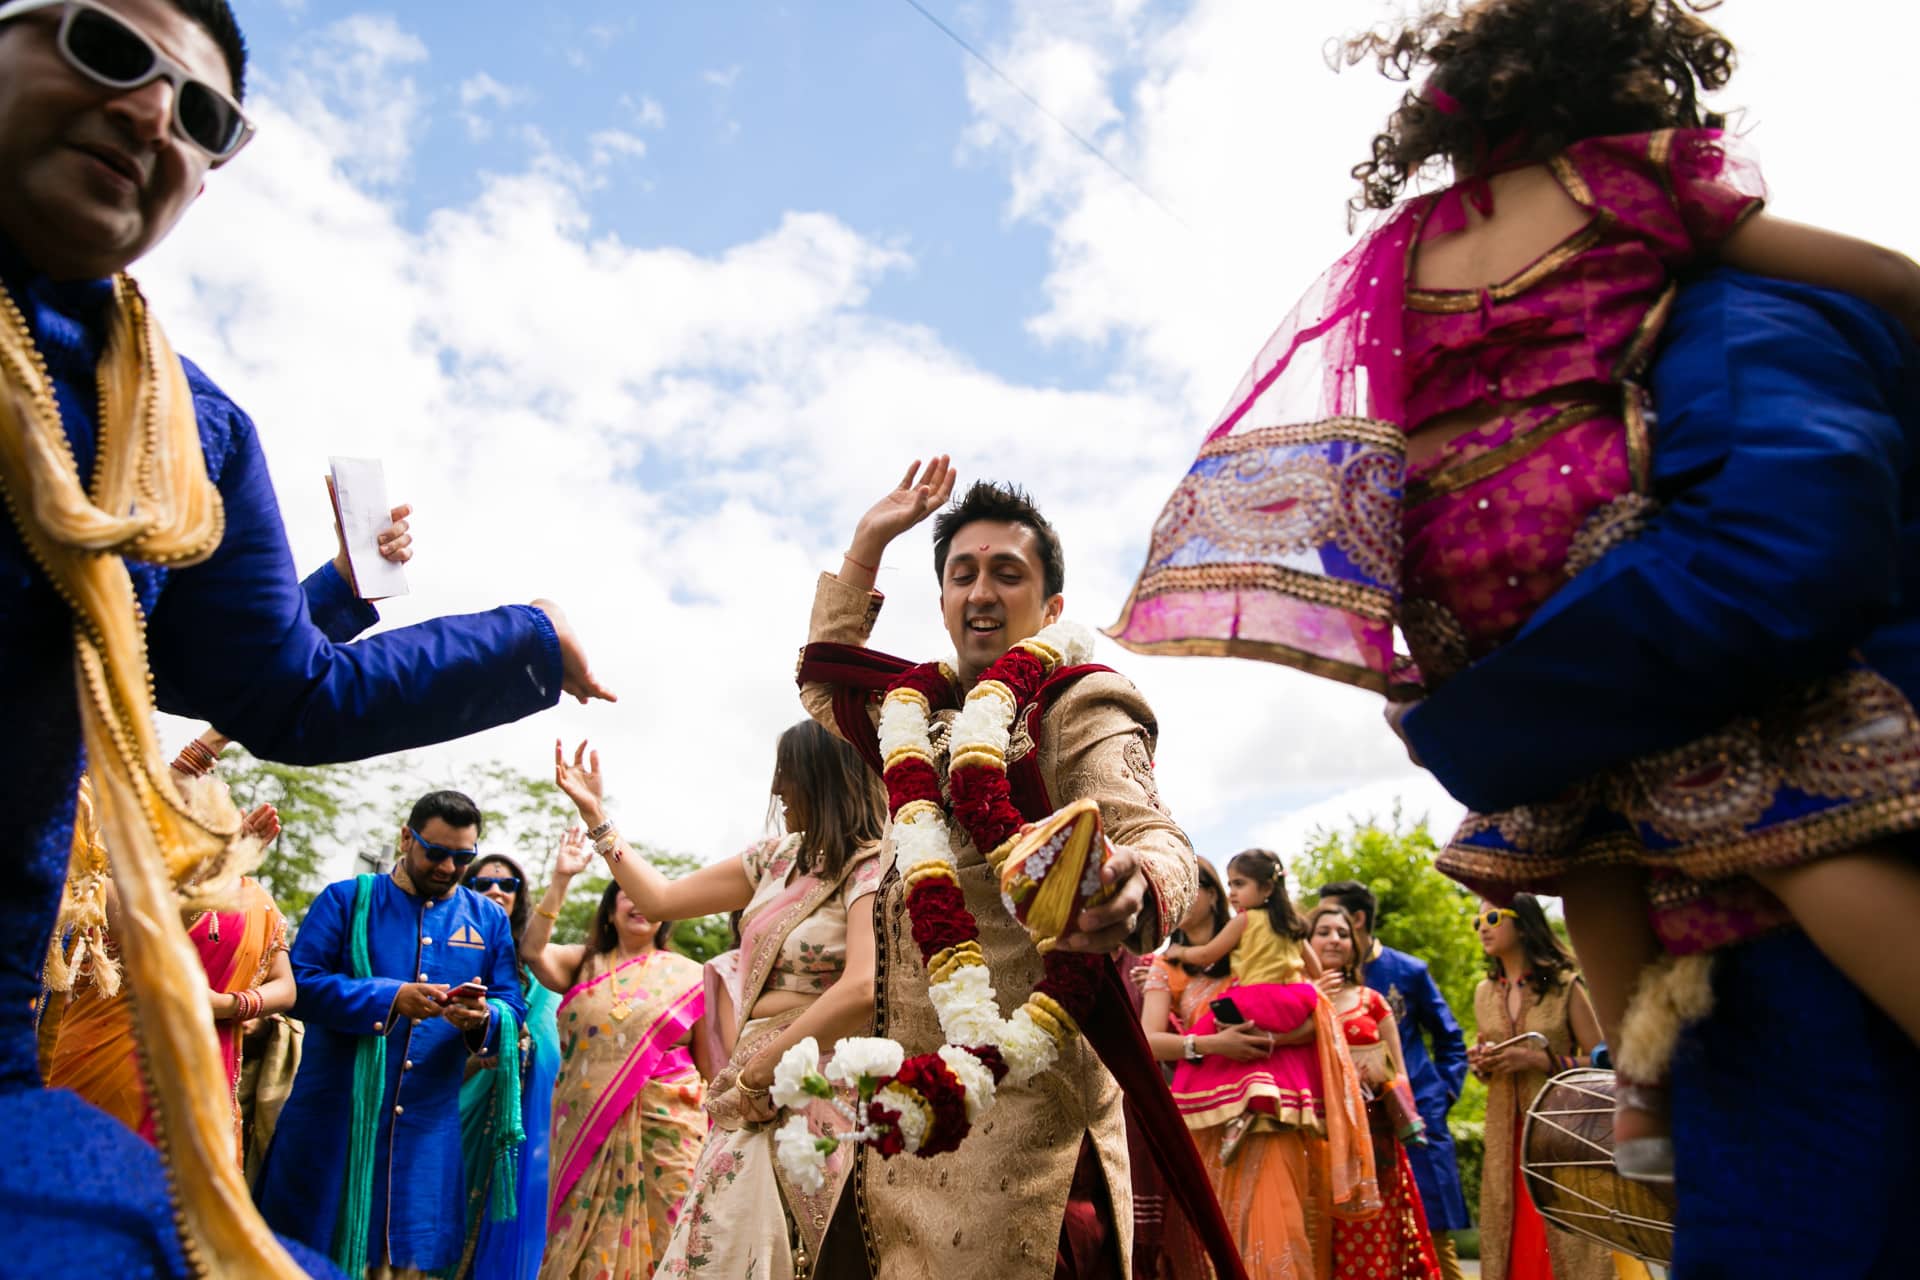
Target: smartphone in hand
x=471, y=989
x=1226, y=1013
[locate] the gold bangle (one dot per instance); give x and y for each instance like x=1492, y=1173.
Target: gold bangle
x=551, y=915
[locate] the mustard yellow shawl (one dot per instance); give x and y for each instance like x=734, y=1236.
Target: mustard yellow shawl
x=150, y=500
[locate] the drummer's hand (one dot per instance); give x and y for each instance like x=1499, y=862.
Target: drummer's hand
x=1514, y=1059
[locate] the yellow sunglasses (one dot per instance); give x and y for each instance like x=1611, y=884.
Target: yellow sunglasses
x=1493, y=917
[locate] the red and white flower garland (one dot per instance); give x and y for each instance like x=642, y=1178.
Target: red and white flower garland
x=927, y=1104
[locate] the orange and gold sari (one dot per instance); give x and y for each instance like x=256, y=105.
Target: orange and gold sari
x=1284, y=1187
x=93, y=1050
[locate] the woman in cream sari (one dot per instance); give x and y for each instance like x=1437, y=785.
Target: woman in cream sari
x=805, y=968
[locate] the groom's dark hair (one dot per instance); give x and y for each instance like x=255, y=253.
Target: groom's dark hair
x=1007, y=504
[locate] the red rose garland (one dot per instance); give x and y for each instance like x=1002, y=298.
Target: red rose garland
x=927, y=1104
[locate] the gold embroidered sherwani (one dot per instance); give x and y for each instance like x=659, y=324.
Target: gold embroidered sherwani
x=993, y=1208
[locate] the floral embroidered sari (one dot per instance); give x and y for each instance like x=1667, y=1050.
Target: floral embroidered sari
x=745, y=1216
x=94, y=1052
x=627, y=1124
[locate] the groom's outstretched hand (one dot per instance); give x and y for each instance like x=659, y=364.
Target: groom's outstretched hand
x=1105, y=928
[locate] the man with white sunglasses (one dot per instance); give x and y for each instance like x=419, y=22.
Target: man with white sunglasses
x=142, y=563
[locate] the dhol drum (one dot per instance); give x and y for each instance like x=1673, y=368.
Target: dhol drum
x=1567, y=1155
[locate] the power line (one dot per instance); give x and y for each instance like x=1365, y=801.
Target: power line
x=1037, y=105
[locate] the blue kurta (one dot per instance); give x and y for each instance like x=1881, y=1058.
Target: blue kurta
x=419, y=1186
x=233, y=642
x=1789, y=538
x=1422, y=1014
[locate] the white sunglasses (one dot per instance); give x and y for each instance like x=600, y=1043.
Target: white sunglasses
x=102, y=46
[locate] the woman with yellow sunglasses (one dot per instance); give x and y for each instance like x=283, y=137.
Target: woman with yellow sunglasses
x=1533, y=1006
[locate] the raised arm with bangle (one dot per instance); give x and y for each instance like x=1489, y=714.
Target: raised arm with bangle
x=845, y=1008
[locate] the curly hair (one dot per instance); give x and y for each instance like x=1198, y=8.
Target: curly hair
x=1547, y=72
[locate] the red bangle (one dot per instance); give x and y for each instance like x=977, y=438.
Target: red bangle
x=870, y=568
x=195, y=759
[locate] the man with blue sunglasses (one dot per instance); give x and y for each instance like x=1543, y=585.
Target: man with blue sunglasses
x=422, y=935
x=142, y=547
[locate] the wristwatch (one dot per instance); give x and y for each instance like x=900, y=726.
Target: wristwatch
x=1193, y=1050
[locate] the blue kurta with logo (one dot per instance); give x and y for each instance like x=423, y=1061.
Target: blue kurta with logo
x=419, y=1182
x=1422, y=1014
x=1787, y=462
x=232, y=640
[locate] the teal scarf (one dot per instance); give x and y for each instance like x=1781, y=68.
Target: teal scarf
x=508, y=1131
x=369, y=1090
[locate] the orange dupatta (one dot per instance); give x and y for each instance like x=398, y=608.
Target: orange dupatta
x=1346, y=1158
x=94, y=1053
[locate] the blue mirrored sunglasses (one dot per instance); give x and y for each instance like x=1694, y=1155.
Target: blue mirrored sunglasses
x=438, y=853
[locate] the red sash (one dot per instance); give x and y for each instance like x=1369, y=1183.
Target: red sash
x=859, y=678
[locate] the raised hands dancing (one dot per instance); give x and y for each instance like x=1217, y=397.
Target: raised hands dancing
x=899, y=509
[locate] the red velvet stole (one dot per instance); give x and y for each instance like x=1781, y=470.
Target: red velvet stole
x=859, y=677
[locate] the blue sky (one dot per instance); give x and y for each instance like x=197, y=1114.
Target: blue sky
x=858, y=107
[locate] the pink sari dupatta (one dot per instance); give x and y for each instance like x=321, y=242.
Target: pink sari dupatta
x=1283, y=540
x=655, y=1052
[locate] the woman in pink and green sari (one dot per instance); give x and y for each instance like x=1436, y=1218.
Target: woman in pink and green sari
x=627, y=1123
x=805, y=968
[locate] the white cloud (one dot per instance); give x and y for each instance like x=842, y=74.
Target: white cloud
x=349, y=83
x=481, y=93
x=647, y=112
x=609, y=145
x=722, y=78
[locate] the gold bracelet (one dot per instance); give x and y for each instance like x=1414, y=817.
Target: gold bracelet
x=551, y=915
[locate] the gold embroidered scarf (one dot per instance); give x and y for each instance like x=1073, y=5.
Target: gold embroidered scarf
x=150, y=500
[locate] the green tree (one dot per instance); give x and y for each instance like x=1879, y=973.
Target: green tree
x=1421, y=911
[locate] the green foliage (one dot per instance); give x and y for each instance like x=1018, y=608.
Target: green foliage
x=1470, y=1150
x=1421, y=911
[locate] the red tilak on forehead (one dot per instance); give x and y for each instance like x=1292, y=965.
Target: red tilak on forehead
x=986, y=546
